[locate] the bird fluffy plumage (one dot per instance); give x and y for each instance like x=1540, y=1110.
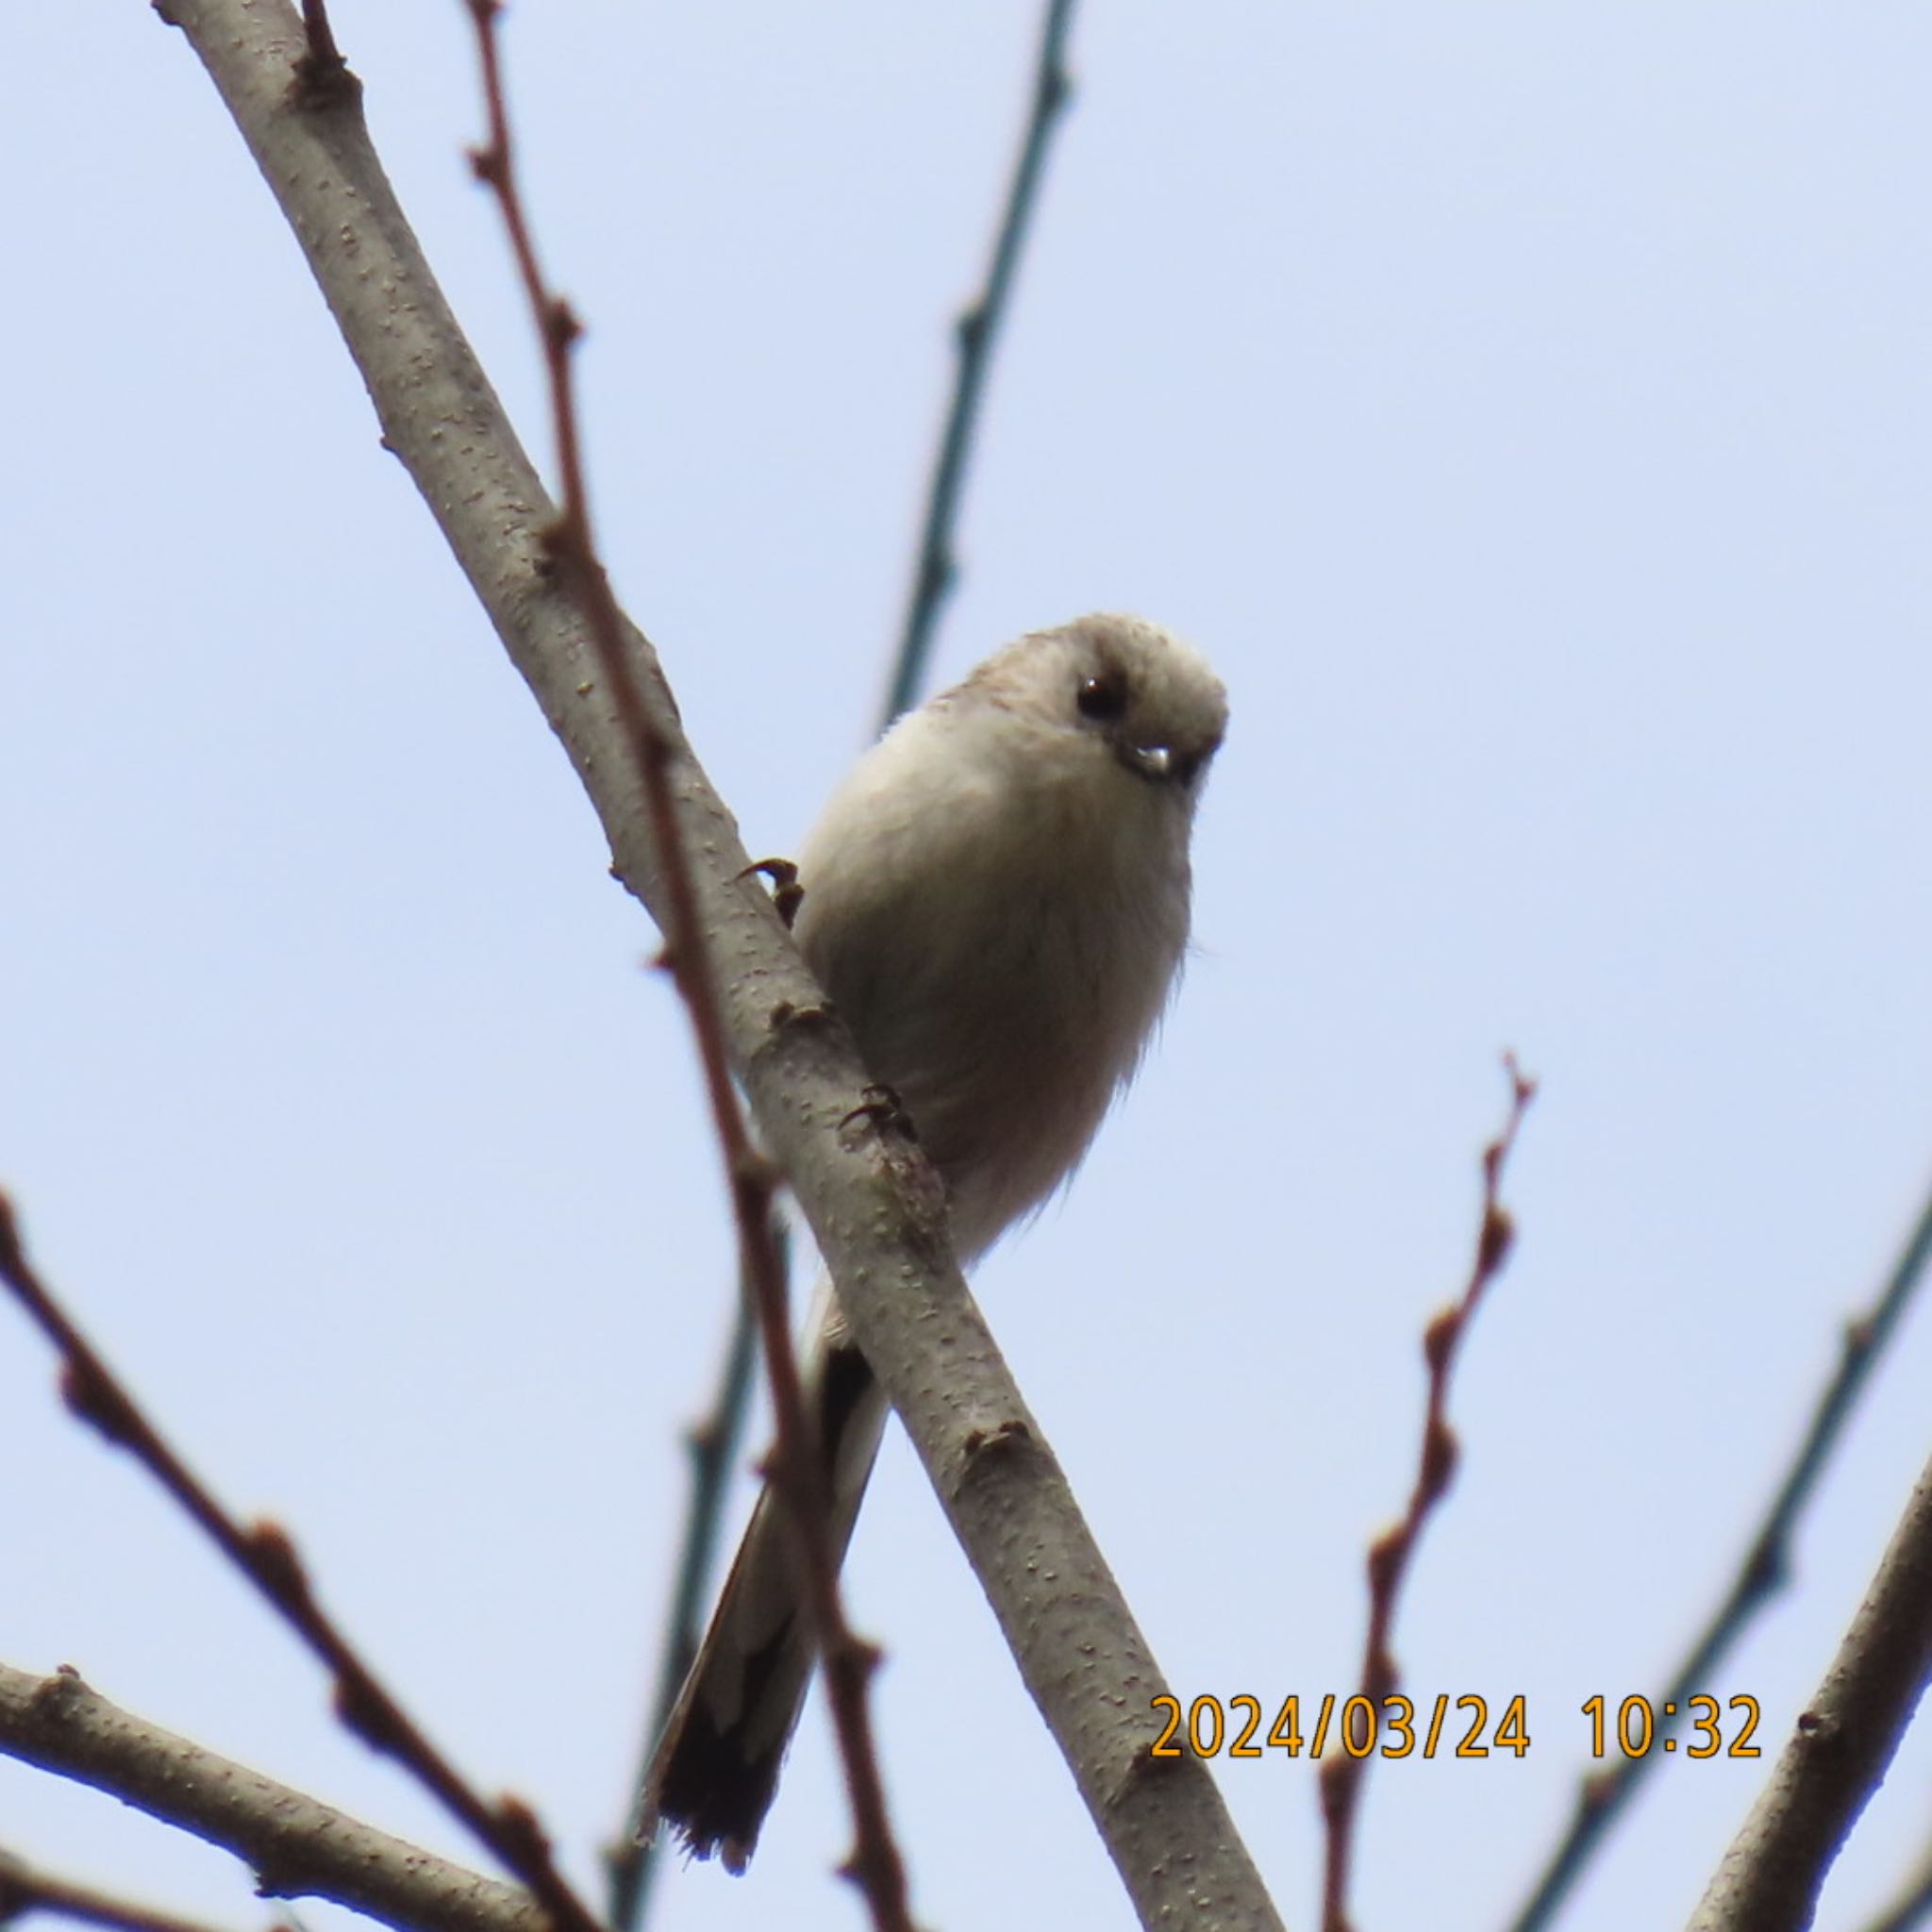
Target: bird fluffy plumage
x=996, y=899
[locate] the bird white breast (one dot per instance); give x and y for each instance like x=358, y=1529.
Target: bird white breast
x=1001, y=930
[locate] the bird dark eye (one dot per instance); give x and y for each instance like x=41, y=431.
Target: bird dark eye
x=1103, y=696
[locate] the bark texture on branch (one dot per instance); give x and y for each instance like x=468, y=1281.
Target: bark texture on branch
x=1838, y=1748
x=297, y=1846
x=873, y=1204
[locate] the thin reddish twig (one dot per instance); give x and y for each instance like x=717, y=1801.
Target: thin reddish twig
x=322, y=79
x=321, y=38
x=875, y=1862
x=1391, y=1554
x=266, y=1555
x=23, y=1890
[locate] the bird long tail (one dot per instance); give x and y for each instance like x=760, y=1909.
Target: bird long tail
x=716, y=1765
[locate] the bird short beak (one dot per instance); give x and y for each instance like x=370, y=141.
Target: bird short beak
x=1160, y=764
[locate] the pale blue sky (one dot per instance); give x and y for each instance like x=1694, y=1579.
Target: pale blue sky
x=1527, y=410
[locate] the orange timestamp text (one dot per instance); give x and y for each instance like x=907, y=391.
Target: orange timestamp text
x=1363, y=1726
x=1396, y=1726
x=1635, y=1729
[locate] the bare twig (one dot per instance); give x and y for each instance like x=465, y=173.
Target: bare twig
x=1838, y=1748
x=876, y=1208
x=23, y=1890
x=321, y=75
x=874, y=1863
x=934, y=571
x=322, y=39
x=631, y=1861
x=265, y=1554
x=1391, y=1552
x=1911, y=1905
x=297, y=1846
x=977, y=332
x=1765, y=1571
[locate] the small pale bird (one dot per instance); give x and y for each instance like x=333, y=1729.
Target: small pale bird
x=996, y=899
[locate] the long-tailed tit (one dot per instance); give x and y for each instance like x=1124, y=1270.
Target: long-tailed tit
x=996, y=901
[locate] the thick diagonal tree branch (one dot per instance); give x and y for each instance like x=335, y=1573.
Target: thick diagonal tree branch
x=1765, y=1571
x=297, y=1846
x=1840, y=1747
x=874, y=1203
